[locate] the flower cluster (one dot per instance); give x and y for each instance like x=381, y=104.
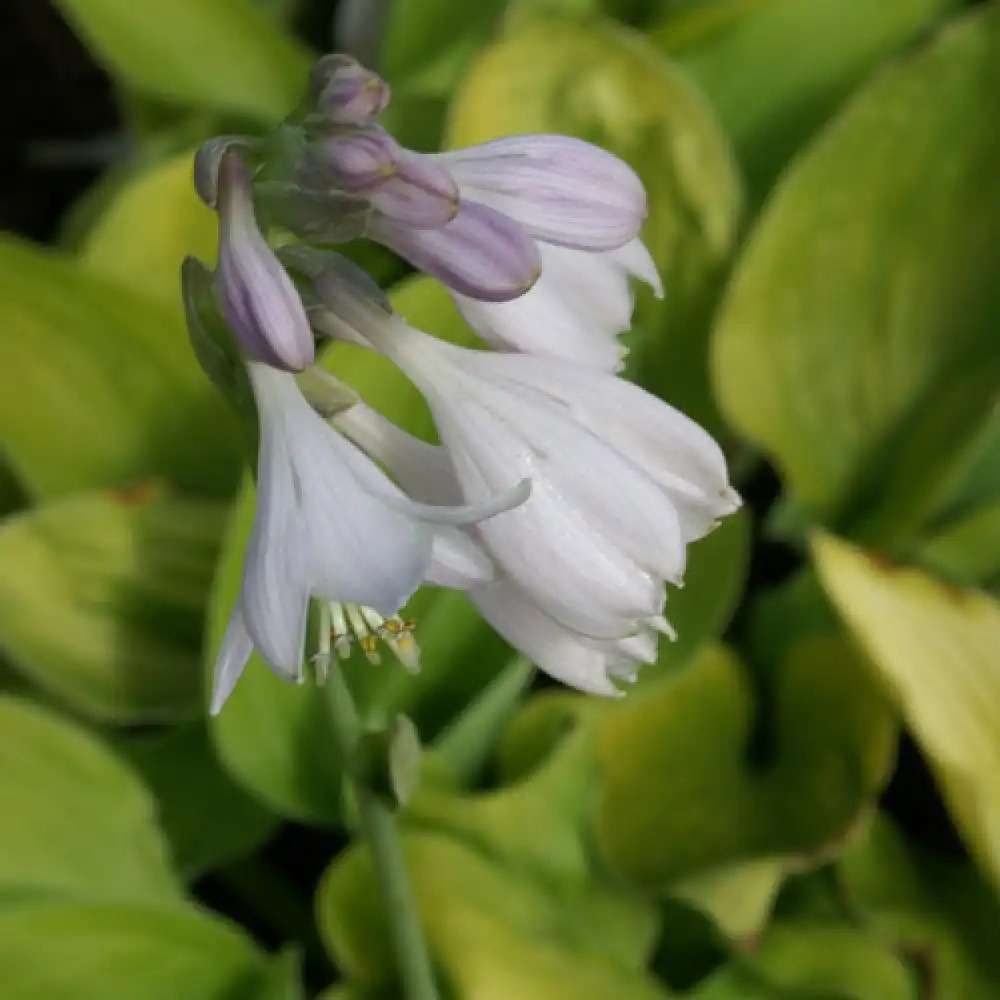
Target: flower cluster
x=561, y=498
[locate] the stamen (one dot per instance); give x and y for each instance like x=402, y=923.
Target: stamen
x=350, y=624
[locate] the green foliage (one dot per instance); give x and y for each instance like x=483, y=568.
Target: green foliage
x=103, y=388
x=713, y=834
x=79, y=824
x=775, y=70
x=211, y=54
x=101, y=599
x=857, y=342
x=917, y=631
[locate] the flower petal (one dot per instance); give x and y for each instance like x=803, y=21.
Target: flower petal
x=458, y=561
x=560, y=189
x=558, y=651
x=275, y=592
x=235, y=650
x=480, y=253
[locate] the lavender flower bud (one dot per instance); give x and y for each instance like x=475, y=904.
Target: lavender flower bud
x=357, y=161
x=420, y=193
x=480, y=253
x=346, y=92
x=258, y=298
x=206, y=164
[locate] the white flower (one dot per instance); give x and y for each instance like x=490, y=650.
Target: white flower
x=330, y=525
x=621, y=484
x=584, y=208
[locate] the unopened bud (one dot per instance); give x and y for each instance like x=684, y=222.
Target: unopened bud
x=357, y=161
x=258, y=298
x=346, y=92
x=480, y=253
x=420, y=194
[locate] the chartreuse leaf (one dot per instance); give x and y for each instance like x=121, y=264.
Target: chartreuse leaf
x=933, y=909
x=936, y=645
x=603, y=83
x=215, y=54
x=78, y=823
x=118, y=952
x=676, y=768
x=492, y=930
x=818, y=962
x=151, y=224
x=857, y=344
x=100, y=385
x=775, y=70
x=207, y=819
x=102, y=597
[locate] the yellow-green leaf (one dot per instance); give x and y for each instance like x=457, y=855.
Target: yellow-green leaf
x=857, y=343
x=77, y=822
x=102, y=597
x=936, y=645
x=151, y=224
x=216, y=54
x=100, y=384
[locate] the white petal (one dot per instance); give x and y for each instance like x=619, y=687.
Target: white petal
x=458, y=561
x=233, y=654
x=420, y=468
x=360, y=550
x=557, y=650
x=671, y=448
x=560, y=189
x=275, y=584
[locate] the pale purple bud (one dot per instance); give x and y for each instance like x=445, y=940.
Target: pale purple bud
x=357, y=161
x=420, y=193
x=206, y=164
x=346, y=92
x=258, y=297
x=560, y=189
x=480, y=253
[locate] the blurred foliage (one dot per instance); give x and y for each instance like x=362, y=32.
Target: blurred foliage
x=825, y=212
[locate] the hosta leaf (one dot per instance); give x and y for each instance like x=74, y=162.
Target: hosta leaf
x=122, y=952
x=857, y=344
x=217, y=54
x=77, y=822
x=775, y=70
x=933, y=910
x=207, y=819
x=151, y=224
x=102, y=597
x=676, y=768
x=936, y=646
x=101, y=386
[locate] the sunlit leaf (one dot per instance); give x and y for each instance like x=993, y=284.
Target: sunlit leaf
x=936, y=646
x=149, y=227
x=100, y=385
x=77, y=822
x=222, y=54
x=491, y=930
x=102, y=597
x=857, y=344
x=103, y=952
x=775, y=70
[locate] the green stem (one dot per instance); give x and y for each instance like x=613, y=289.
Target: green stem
x=379, y=827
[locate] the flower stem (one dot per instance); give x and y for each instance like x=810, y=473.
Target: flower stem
x=379, y=828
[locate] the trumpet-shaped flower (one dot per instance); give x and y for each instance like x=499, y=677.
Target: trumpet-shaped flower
x=621, y=483
x=330, y=525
